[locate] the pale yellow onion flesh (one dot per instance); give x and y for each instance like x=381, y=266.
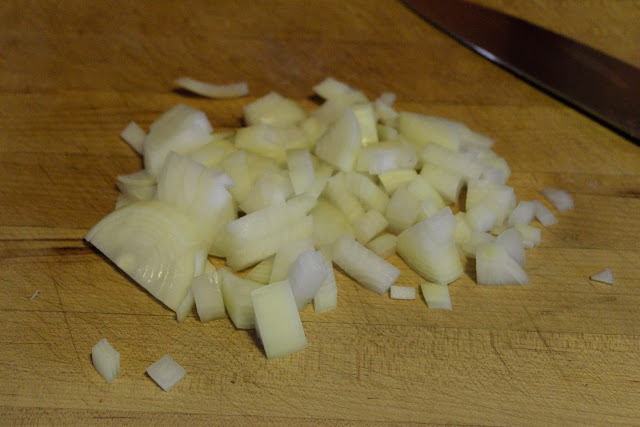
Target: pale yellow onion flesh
x=232, y=90
x=402, y=292
x=166, y=372
x=604, y=276
x=339, y=132
x=106, y=360
x=278, y=320
x=156, y=245
x=134, y=135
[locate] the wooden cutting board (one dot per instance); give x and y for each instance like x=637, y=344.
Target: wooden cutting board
x=74, y=73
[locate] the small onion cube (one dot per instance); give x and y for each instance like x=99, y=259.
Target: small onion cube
x=185, y=307
x=369, y=226
x=605, y=276
x=384, y=245
x=560, y=199
x=531, y=235
x=106, y=360
x=402, y=292
x=364, y=266
x=236, y=294
x=494, y=266
x=436, y=295
x=512, y=241
x=166, y=373
x=523, y=213
x=207, y=293
x=327, y=296
x=306, y=275
x=278, y=320
x=134, y=135
x=544, y=215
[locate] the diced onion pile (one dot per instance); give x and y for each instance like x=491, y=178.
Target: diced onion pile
x=294, y=192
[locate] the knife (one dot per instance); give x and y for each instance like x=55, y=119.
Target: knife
x=599, y=85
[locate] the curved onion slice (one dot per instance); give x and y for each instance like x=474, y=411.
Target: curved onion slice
x=157, y=246
x=233, y=90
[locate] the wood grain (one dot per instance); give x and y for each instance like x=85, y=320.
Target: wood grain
x=564, y=350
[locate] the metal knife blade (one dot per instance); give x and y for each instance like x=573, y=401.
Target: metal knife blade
x=599, y=85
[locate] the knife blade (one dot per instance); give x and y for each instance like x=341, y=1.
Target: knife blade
x=597, y=84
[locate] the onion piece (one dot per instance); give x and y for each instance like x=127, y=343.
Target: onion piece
x=481, y=217
x=306, y=275
x=213, y=153
x=371, y=196
x=500, y=198
x=275, y=110
x=236, y=294
x=387, y=98
x=429, y=249
x=185, y=307
x=322, y=173
x=385, y=156
x=236, y=166
x=424, y=129
x=364, y=266
x=384, y=245
x=560, y=199
x=544, y=215
x=106, y=360
x=301, y=171
x=384, y=112
x=270, y=188
x=530, y=235
x=156, y=245
x=278, y=320
x=331, y=88
x=474, y=141
x=339, y=195
x=270, y=141
x=436, y=296
x=233, y=90
x=201, y=193
x=262, y=271
x=446, y=183
x=207, y=292
x=261, y=223
x=138, y=185
x=494, y=266
x=326, y=298
x=420, y=187
x=393, y=179
x=402, y=210
x=241, y=255
x=340, y=144
x=605, y=276
x=329, y=223
x=476, y=239
x=386, y=132
x=523, y=213
x=402, y=292
x=166, y=372
x=181, y=129
x=285, y=257
x=367, y=122
x=453, y=161
x=134, y=135
x=369, y=226
x=512, y=241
